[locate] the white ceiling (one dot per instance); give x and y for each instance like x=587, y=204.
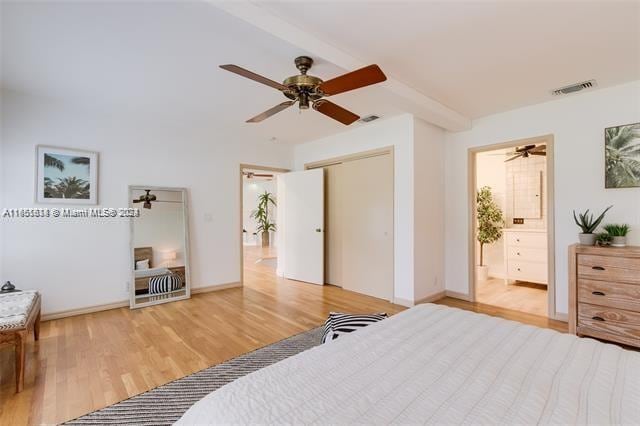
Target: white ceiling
x=480, y=58
x=161, y=58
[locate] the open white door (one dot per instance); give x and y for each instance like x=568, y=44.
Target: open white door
x=301, y=196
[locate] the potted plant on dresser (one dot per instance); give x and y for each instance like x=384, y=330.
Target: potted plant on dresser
x=490, y=224
x=588, y=225
x=261, y=215
x=618, y=234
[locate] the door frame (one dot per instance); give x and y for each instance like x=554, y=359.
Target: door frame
x=242, y=167
x=387, y=150
x=472, y=193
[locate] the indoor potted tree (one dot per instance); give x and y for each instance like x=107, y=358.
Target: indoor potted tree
x=490, y=224
x=587, y=223
x=618, y=234
x=261, y=215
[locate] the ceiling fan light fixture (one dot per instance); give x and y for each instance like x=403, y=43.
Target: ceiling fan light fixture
x=307, y=89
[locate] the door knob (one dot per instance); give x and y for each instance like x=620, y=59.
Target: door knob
x=318, y=230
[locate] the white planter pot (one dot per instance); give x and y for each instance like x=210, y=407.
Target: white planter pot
x=482, y=273
x=587, y=239
x=619, y=242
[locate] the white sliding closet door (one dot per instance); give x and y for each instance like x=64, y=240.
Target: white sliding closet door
x=361, y=208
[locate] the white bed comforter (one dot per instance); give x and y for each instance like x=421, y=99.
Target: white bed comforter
x=433, y=364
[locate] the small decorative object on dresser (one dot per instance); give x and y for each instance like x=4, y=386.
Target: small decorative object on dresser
x=588, y=225
x=604, y=293
x=618, y=234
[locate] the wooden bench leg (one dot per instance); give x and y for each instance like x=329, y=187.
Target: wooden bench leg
x=20, y=340
x=36, y=328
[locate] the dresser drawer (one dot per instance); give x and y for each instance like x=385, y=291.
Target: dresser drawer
x=527, y=239
x=527, y=254
x=527, y=271
x=609, y=321
x=605, y=268
x=611, y=294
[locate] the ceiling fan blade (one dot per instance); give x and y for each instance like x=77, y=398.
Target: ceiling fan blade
x=537, y=153
x=138, y=201
x=253, y=76
x=335, y=111
x=538, y=148
x=525, y=148
x=353, y=80
x=272, y=111
x=513, y=158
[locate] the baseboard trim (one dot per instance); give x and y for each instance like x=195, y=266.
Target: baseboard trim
x=217, y=287
x=457, y=295
x=434, y=297
x=403, y=302
x=81, y=311
x=559, y=316
x=125, y=303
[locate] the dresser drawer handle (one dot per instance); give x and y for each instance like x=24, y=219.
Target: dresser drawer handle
x=597, y=318
x=598, y=268
x=597, y=293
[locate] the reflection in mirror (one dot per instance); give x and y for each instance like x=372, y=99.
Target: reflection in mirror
x=159, y=245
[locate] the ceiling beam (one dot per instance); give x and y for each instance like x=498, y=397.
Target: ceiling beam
x=403, y=96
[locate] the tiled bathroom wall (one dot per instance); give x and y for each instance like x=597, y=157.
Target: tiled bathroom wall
x=523, y=182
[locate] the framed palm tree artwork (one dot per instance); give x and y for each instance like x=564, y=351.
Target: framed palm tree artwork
x=622, y=156
x=66, y=176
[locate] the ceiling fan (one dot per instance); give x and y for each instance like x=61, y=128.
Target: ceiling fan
x=307, y=89
x=251, y=175
x=526, y=151
x=146, y=199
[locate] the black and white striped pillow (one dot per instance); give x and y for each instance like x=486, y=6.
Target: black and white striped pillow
x=164, y=283
x=339, y=323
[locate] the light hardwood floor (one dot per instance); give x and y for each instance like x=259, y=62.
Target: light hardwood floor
x=520, y=296
x=86, y=362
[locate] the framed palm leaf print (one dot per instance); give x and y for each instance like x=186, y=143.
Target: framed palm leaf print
x=622, y=156
x=66, y=176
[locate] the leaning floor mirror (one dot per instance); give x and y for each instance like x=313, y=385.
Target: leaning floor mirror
x=159, y=245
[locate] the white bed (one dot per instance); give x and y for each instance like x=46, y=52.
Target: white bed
x=151, y=272
x=433, y=364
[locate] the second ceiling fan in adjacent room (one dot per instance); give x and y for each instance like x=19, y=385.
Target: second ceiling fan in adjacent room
x=310, y=90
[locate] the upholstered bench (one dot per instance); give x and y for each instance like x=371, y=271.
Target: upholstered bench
x=19, y=314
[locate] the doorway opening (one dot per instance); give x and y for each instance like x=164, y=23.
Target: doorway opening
x=258, y=206
x=511, y=235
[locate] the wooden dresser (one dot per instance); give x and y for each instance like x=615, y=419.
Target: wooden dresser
x=604, y=293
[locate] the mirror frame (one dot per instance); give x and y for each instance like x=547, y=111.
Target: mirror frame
x=187, y=256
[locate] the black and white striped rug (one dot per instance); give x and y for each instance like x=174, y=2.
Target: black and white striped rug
x=164, y=405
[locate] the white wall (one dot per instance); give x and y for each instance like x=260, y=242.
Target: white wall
x=418, y=195
x=577, y=123
x=428, y=164
x=396, y=132
x=491, y=171
x=80, y=263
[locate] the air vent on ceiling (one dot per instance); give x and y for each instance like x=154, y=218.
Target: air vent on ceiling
x=574, y=88
x=368, y=118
